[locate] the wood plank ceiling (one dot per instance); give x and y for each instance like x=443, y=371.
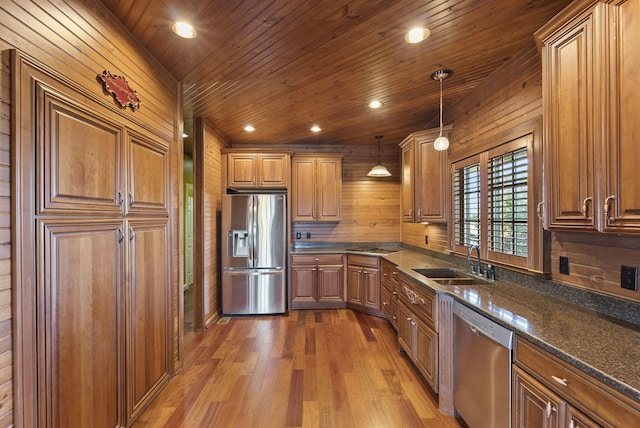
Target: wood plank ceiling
x=283, y=65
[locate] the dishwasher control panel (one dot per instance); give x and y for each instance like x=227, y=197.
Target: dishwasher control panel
x=484, y=325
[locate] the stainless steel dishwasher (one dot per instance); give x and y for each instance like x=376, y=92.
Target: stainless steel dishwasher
x=482, y=369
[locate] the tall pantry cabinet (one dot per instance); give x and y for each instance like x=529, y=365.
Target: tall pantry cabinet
x=94, y=188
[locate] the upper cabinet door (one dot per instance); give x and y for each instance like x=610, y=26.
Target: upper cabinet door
x=273, y=170
x=303, y=197
x=408, y=166
x=148, y=176
x=572, y=119
x=241, y=170
x=621, y=151
x=329, y=189
x=431, y=183
x=79, y=157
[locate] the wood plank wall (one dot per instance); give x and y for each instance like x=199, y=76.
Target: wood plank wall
x=78, y=39
x=208, y=189
x=6, y=355
x=370, y=206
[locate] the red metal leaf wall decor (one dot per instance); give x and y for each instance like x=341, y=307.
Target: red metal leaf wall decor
x=120, y=89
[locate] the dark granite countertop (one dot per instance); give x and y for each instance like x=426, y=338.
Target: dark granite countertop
x=600, y=345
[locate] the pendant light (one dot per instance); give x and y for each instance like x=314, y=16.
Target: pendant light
x=442, y=142
x=379, y=170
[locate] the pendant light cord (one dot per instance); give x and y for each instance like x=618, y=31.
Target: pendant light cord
x=440, y=106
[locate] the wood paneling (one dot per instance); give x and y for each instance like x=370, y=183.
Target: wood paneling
x=208, y=170
x=76, y=40
x=323, y=61
x=6, y=307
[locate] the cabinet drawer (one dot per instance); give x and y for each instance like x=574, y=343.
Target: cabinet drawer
x=368, y=261
x=597, y=400
x=421, y=301
x=389, y=273
x=319, y=259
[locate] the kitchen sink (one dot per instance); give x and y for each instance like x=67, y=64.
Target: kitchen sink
x=454, y=281
x=441, y=273
x=445, y=276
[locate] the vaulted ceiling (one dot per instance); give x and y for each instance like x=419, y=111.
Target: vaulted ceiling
x=285, y=65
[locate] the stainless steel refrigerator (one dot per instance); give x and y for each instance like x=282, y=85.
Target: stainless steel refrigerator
x=254, y=253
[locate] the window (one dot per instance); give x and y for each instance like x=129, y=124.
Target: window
x=508, y=203
x=491, y=203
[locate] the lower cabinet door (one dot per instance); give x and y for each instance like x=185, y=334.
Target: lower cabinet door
x=331, y=284
x=405, y=330
x=534, y=405
x=303, y=285
x=80, y=337
x=148, y=304
x=577, y=419
x=426, y=353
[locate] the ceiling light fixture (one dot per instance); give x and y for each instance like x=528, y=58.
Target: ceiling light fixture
x=417, y=35
x=184, y=29
x=379, y=170
x=442, y=142
x=375, y=104
x=249, y=128
x=315, y=128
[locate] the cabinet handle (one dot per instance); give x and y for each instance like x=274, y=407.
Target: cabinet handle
x=585, y=204
x=413, y=322
x=550, y=409
x=539, y=210
x=131, y=234
x=419, y=213
x=411, y=212
x=607, y=213
x=120, y=198
x=561, y=381
x=572, y=423
x=131, y=201
x=395, y=293
x=121, y=235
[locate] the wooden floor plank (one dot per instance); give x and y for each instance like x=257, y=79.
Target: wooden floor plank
x=317, y=369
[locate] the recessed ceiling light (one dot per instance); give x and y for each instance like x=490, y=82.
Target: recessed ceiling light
x=375, y=104
x=249, y=128
x=416, y=35
x=315, y=128
x=184, y=29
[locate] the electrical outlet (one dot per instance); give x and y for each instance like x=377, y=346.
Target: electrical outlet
x=426, y=239
x=298, y=235
x=308, y=235
x=629, y=277
x=564, y=265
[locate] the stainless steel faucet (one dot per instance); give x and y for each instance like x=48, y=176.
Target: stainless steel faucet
x=475, y=269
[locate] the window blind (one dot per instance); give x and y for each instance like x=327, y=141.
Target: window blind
x=467, y=205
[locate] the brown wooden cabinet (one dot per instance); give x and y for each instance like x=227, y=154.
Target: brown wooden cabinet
x=96, y=321
x=316, y=188
x=317, y=281
x=389, y=289
x=424, y=178
x=534, y=405
x=363, y=283
x=550, y=392
x=589, y=60
x=250, y=170
x=417, y=333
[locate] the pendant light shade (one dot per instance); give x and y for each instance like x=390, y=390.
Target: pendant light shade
x=442, y=142
x=379, y=170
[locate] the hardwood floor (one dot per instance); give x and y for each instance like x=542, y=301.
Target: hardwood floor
x=330, y=368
